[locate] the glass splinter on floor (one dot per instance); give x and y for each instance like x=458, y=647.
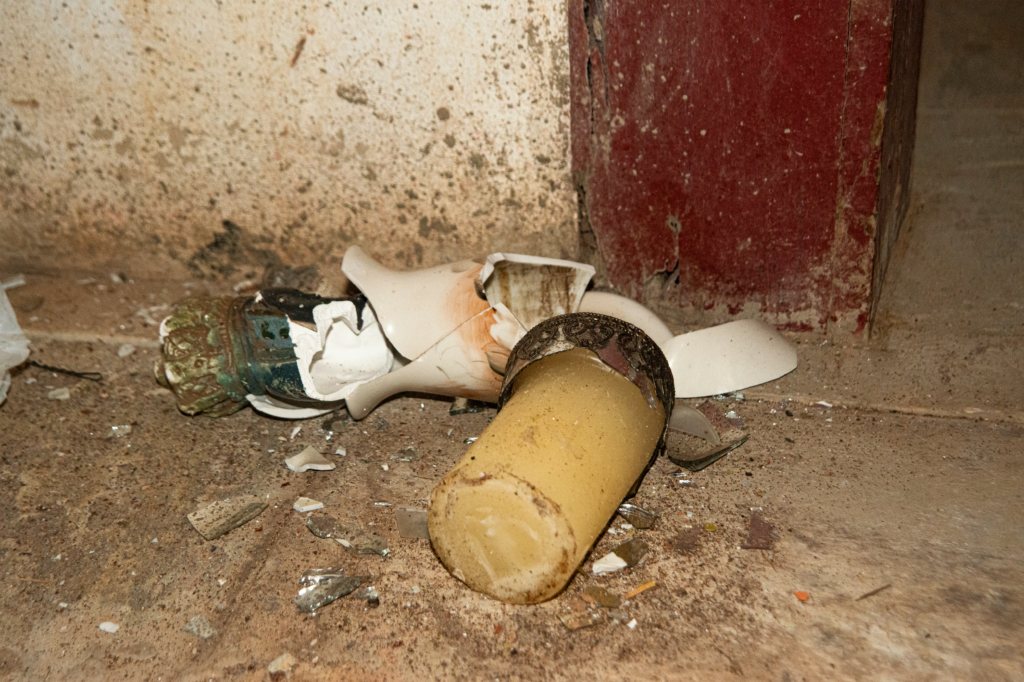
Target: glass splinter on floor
x=703, y=461
x=406, y=455
x=632, y=551
x=637, y=517
x=349, y=535
x=602, y=596
x=321, y=586
x=369, y=594
x=412, y=523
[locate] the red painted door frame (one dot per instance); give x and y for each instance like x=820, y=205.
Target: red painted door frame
x=727, y=155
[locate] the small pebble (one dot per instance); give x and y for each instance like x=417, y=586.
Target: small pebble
x=200, y=627
x=281, y=664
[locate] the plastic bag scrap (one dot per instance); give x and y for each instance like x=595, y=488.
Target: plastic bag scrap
x=13, y=344
x=446, y=330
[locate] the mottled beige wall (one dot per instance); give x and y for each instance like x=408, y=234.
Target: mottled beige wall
x=423, y=131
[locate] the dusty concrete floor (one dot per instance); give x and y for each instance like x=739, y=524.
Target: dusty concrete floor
x=913, y=479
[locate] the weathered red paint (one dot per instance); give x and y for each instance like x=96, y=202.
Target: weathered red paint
x=735, y=144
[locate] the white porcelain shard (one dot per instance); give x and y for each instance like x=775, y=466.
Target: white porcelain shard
x=469, y=363
x=419, y=308
x=628, y=310
x=308, y=459
x=346, y=348
x=532, y=287
x=13, y=344
x=609, y=563
x=305, y=504
x=728, y=357
x=273, y=407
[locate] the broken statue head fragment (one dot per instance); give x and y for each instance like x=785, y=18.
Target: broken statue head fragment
x=446, y=330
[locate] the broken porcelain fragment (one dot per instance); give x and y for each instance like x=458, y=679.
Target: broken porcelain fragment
x=416, y=309
x=13, y=344
x=628, y=310
x=298, y=349
x=729, y=357
x=465, y=362
x=534, y=288
x=308, y=459
x=609, y=563
x=304, y=504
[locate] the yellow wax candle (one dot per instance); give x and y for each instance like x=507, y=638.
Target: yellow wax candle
x=515, y=518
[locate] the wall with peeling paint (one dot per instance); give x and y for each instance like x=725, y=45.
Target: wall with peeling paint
x=425, y=132
x=728, y=154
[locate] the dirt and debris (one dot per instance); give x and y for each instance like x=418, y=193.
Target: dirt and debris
x=873, y=592
x=200, y=627
x=281, y=666
x=760, y=534
x=412, y=523
x=467, y=406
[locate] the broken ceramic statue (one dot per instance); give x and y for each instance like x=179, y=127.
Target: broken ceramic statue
x=446, y=330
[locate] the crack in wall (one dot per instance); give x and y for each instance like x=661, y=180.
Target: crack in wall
x=839, y=218
x=590, y=248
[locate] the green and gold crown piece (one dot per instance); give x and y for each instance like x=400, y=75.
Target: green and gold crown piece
x=199, y=356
